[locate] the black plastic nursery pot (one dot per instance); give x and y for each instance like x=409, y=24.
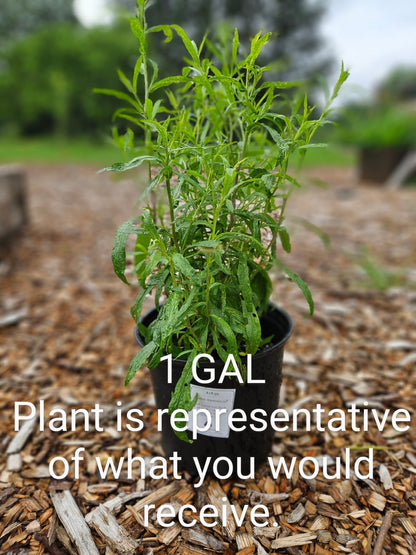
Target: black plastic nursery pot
x=241, y=448
x=378, y=164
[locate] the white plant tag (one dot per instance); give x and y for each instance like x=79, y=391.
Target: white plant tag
x=211, y=400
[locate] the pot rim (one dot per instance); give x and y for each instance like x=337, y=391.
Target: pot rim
x=263, y=352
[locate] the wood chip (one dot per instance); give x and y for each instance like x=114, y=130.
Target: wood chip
x=409, y=524
x=12, y=318
x=14, y=462
x=219, y=499
x=296, y=515
x=112, y=533
x=167, y=535
x=259, y=498
x=320, y=523
x=20, y=439
x=73, y=521
x=376, y=500
x=292, y=541
x=199, y=536
x=385, y=477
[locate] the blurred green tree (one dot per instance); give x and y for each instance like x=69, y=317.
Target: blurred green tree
x=398, y=85
x=21, y=17
x=47, y=79
x=297, y=53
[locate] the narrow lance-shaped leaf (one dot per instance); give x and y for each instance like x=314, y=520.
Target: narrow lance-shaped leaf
x=285, y=239
x=118, y=254
x=121, y=96
x=300, y=283
x=182, y=264
x=226, y=331
x=181, y=397
x=139, y=360
x=134, y=163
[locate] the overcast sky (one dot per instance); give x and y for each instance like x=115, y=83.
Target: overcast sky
x=370, y=36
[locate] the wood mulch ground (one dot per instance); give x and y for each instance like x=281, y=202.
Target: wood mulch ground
x=66, y=338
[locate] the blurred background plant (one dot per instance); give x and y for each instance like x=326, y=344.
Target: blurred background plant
x=383, y=130
x=50, y=62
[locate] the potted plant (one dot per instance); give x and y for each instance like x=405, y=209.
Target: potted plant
x=217, y=155
x=383, y=133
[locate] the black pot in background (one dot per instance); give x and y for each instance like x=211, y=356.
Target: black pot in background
x=378, y=164
x=266, y=364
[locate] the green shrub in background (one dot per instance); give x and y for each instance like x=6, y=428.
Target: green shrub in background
x=378, y=126
x=398, y=85
x=47, y=79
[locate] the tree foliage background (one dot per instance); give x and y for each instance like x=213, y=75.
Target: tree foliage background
x=298, y=51
x=49, y=63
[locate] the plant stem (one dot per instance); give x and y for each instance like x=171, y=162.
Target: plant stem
x=172, y=214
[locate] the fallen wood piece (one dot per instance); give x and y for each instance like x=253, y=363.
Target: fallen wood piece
x=296, y=515
x=112, y=533
x=244, y=540
x=376, y=500
x=291, y=541
x=50, y=548
x=384, y=528
x=218, y=498
x=63, y=537
x=409, y=525
x=167, y=535
x=186, y=549
x=116, y=503
x=198, y=536
x=12, y=318
x=158, y=497
x=73, y=521
x=19, y=440
x=259, y=498
x=14, y=462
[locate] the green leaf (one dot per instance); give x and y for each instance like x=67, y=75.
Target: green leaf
x=244, y=283
x=154, y=260
x=121, y=96
x=285, y=239
x=134, y=163
x=167, y=82
x=261, y=286
x=324, y=237
x=139, y=33
x=236, y=43
x=139, y=360
x=313, y=145
x=226, y=331
x=277, y=138
x=182, y=264
x=138, y=304
x=181, y=397
x=118, y=253
x=300, y=283
x=141, y=248
x=188, y=43
x=126, y=82
x=136, y=72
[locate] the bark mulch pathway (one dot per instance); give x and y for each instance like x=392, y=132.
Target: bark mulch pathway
x=66, y=339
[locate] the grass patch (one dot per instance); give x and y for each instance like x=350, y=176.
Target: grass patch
x=85, y=151
x=52, y=150
x=330, y=155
